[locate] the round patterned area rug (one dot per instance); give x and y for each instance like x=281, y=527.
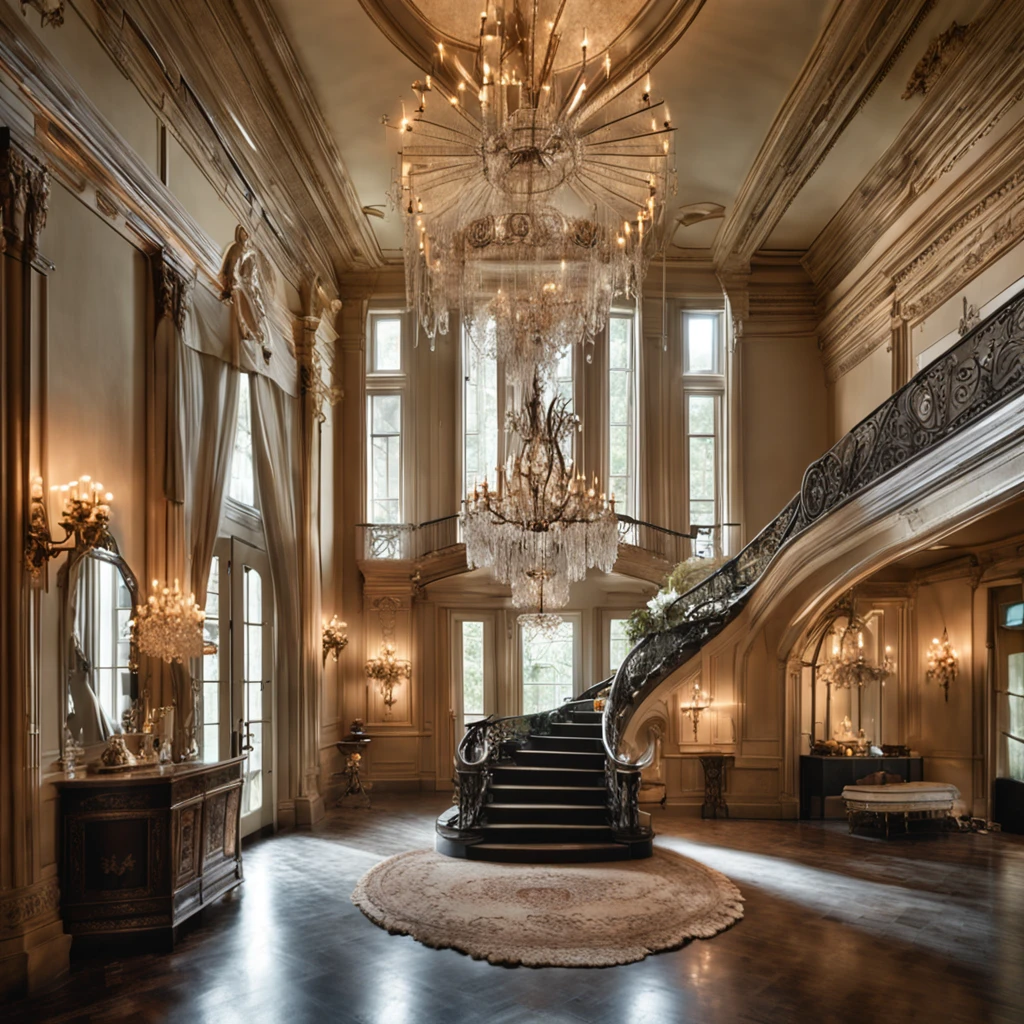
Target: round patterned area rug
x=549, y=915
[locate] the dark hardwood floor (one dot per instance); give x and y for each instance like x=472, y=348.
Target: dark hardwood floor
x=838, y=928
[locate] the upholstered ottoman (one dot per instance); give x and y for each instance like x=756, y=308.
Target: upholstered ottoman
x=905, y=798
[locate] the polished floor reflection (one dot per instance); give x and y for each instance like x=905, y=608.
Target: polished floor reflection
x=838, y=928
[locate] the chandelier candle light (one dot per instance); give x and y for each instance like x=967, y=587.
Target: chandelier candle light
x=387, y=670
x=531, y=196
x=943, y=662
x=700, y=700
x=543, y=525
x=335, y=639
x=170, y=626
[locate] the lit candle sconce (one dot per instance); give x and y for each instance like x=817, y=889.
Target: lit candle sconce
x=83, y=510
x=700, y=700
x=335, y=639
x=943, y=662
x=387, y=670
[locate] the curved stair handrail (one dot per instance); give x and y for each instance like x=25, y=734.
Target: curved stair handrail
x=985, y=368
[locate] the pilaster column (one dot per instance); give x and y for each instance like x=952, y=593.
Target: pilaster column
x=33, y=946
x=900, y=346
x=735, y=280
x=309, y=804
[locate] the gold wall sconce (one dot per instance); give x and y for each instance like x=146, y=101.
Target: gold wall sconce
x=335, y=639
x=700, y=700
x=943, y=663
x=84, y=510
x=387, y=670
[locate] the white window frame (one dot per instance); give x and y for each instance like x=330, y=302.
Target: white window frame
x=382, y=383
x=243, y=513
x=490, y=676
x=370, y=396
x=631, y=505
x=608, y=615
x=714, y=385
x=577, y=658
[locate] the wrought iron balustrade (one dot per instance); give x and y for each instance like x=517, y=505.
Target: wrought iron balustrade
x=967, y=382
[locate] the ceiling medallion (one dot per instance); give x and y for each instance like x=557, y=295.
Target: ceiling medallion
x=543, y=526
x=527, y=209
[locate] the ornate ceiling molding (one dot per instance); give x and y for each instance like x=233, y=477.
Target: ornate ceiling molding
x=221, y=75
x=977, y=220
x=939, y=55
x=855, y=51
x=965, y=105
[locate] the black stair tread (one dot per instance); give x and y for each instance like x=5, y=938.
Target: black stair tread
x=547, y=846
x=566, y=789
x=552, y=807
x=544, y=824
x=564, y=753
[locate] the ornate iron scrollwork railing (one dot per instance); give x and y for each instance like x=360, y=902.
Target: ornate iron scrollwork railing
x=485, y=744
x=985, y=368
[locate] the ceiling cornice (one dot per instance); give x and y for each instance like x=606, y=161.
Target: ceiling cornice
x=985, y=79
x=853, y=54
x=977, y=220
x=237, y=63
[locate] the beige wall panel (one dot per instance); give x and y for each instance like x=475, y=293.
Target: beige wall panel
x=945, y=320
x=785, y=424
x=945, y=727
x=198, y=196
x=743, y=782
x=78, y=50
x=95, y=396
x=860, y=391
x=955, y=771
x=760, y=693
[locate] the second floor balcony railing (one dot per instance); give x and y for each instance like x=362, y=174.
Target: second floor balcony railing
x=411, y=541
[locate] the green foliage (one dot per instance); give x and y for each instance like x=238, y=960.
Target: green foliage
x=659, y=615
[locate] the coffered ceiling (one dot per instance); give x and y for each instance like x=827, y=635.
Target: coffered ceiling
x=784, y=108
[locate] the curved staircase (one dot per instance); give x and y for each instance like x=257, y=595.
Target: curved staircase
x=548, y=801
x=559, y=786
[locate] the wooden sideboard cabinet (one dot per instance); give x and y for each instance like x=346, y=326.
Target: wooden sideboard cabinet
x=145, y=850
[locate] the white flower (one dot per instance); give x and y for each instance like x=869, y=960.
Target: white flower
x=659, y=606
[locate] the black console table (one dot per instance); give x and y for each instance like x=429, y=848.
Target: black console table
x=821, y=777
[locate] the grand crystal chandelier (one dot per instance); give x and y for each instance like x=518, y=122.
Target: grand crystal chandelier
x=531, y=197
x=543, y=525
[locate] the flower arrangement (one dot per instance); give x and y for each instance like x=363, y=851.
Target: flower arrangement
x=662, y=613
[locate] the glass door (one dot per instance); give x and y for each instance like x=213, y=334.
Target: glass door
x=473, y=682
x=252, y=690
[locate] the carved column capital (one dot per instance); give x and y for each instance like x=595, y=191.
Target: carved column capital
x=24, y=198
x=173, y=291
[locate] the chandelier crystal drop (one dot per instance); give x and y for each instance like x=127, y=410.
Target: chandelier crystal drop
x=543, y=525
x=531, y=197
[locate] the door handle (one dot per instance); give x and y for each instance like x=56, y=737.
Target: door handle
x=246, y=735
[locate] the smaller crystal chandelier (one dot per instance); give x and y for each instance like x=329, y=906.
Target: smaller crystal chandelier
x=700, y=700
x=542, y=527
x=335, y=639
x=846, y=665
x=170, y=626
x=387, y=670
x=943, y=662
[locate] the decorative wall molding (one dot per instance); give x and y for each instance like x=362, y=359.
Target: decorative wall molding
x=977, y=220
x=854, y=52
x=958, y=110
x=941, y=52
x=20, y=906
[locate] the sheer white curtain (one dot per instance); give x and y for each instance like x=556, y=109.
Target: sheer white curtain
x=202, y=409
x=281, y=461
